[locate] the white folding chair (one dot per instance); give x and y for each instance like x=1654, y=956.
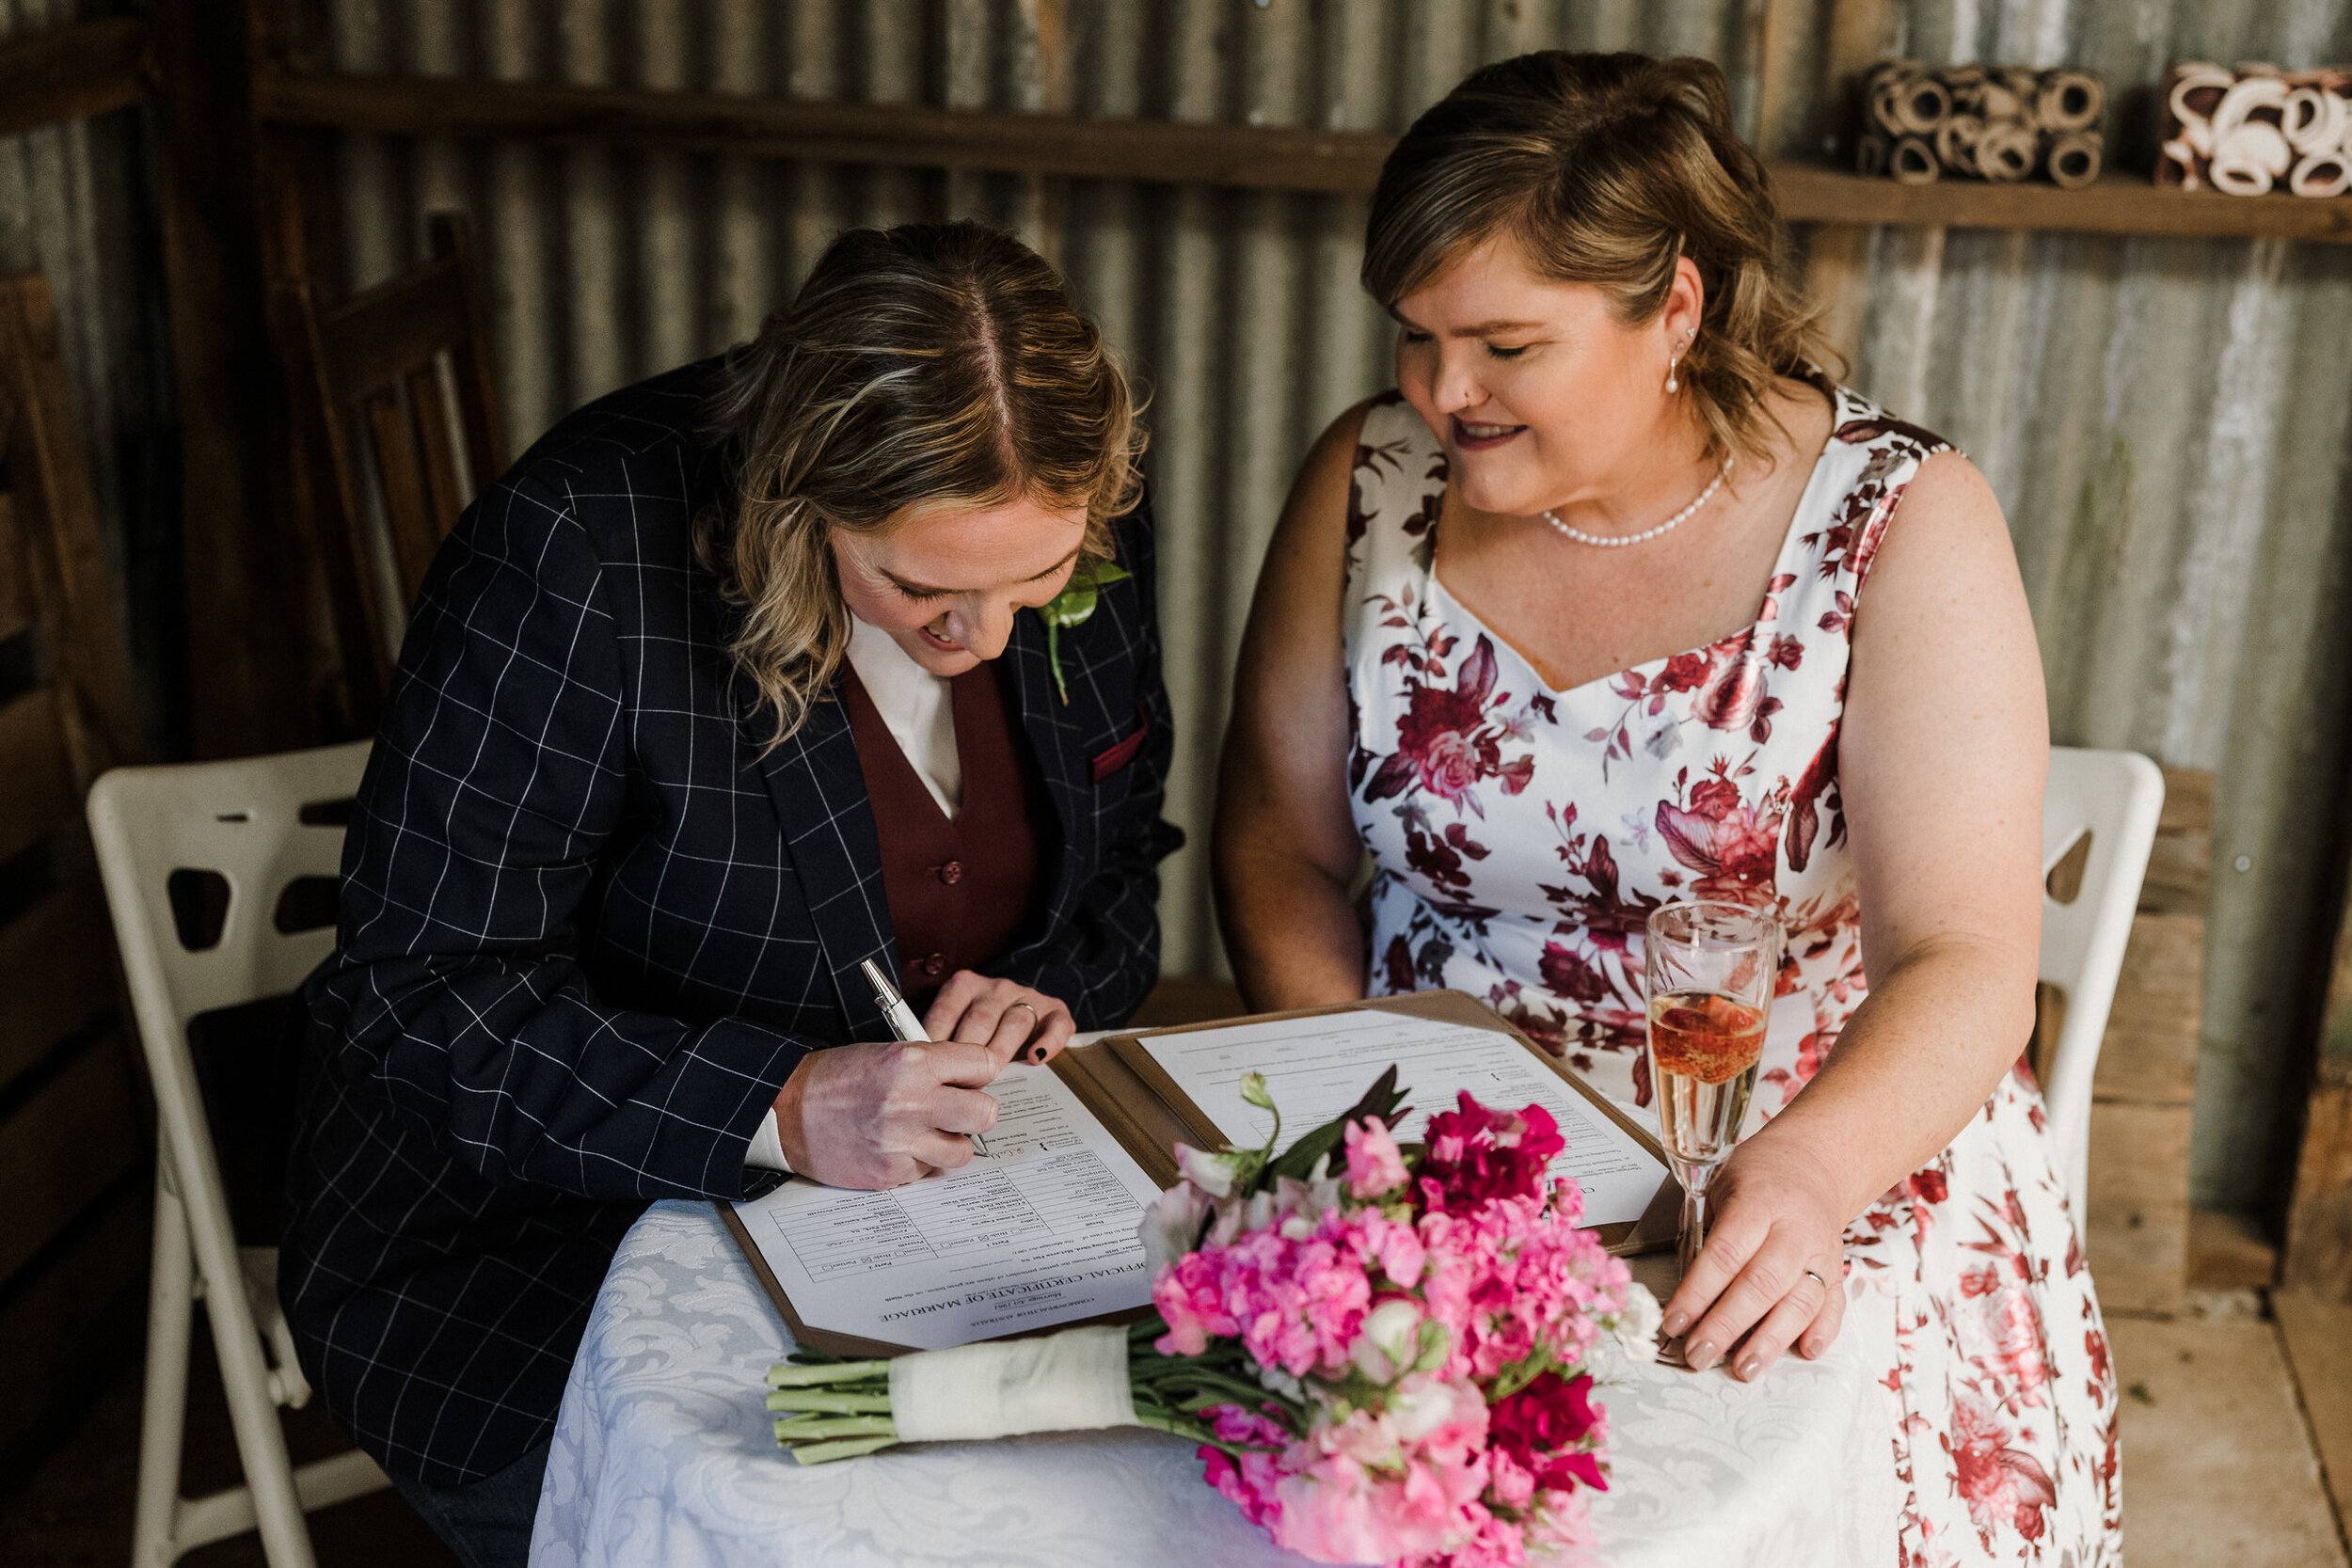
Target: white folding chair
x=247, y=821
x=2113, y=799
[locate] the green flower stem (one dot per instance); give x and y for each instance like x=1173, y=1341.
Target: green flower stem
x=819, y=1453
x=1516, y=1378
x=808, y=1429
x=839, y=1403
x=784, y=1374
x=1229, y=1390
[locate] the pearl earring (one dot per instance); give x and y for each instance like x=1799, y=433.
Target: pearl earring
x=1672, y=359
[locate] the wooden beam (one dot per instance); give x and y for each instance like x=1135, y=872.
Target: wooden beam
x=71, y=73
x=253, y=667
x=1264, y=157
x=2118, y=204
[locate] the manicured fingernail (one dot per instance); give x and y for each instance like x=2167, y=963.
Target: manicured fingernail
x=1675, y=1324
x=1749, y=1368
x=1701, y=1354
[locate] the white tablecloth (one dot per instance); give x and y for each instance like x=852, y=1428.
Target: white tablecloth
x=664, y=1457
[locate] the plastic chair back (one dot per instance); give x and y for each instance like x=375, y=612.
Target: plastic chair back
x=244, y=822
x=261, y=826
x=2114, y=797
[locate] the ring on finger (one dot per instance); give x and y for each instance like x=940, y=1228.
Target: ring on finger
x=1817, y=1279
x=1033, y=1012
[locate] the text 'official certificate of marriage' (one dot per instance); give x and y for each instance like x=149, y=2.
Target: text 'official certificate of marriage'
x=1317, y=1067
x=1040, y=1230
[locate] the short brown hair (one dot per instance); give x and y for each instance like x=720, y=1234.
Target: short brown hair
x=926, y=366
x=1606, y=169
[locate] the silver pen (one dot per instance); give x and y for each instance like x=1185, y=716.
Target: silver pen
x=903, y=1023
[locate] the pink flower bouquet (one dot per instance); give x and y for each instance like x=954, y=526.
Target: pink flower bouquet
x=1381, y=1349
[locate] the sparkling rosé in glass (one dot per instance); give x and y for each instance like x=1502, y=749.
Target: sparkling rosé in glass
x=1708, y=973
x=1704, y=1048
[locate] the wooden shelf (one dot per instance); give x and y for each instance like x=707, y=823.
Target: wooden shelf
x=2116, y=204
x=1198, y=153
x=907, y=135
x=66, y=73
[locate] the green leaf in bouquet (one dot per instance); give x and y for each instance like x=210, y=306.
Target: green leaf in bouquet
x=1380, y=1101
x=1074, y=607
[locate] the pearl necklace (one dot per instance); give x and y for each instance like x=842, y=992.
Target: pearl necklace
x=1615, y=541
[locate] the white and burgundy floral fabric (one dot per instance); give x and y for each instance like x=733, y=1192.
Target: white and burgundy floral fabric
x=1521, y=835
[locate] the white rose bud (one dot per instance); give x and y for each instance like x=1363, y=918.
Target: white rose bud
x=1636, y=1325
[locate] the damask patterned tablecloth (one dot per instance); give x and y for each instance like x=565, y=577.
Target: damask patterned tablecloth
x=663, y=1455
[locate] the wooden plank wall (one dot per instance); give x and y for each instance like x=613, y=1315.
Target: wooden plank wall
x=2319, y=1217
x=2138, y=1222
x=74, y=1146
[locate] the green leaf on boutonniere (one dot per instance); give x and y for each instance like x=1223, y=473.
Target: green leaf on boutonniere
x=1072, y=606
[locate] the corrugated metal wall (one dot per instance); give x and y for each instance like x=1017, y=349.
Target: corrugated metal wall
x=2165, y=422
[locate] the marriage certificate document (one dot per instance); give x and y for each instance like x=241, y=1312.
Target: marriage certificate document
x=1316, y=1066
x=1039, y=1230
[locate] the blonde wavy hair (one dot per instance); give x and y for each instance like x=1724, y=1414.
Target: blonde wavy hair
x=1607, y=169
x=927, y=367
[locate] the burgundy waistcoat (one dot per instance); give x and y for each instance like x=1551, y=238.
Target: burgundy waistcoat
x=961, y=889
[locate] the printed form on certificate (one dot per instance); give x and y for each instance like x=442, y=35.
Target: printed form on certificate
x=1037, y=1231
x=1317, y=1067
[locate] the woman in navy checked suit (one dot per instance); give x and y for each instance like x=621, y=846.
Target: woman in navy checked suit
x=734, y=681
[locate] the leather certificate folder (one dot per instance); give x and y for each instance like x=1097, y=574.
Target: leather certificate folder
x=1024, y=1241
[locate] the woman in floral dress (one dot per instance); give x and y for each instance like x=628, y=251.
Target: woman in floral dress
x=1617, y=601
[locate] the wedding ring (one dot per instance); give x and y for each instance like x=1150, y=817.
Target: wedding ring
x=1033, y=1012
x=1817, y=1279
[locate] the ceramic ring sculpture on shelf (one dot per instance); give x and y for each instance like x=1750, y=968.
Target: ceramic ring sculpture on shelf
x=1999, y=123
x=2254, y=130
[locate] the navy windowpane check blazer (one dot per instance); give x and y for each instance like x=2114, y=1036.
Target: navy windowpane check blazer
x=587, y=928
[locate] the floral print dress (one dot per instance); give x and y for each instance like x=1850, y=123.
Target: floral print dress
x=1521, y=835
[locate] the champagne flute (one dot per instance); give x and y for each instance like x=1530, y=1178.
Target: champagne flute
x=1709, y=969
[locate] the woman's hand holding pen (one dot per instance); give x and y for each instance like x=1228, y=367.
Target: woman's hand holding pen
x=1016, y=1024
x=885, y=1114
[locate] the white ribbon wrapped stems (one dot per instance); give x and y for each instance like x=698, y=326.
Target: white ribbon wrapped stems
x=1073, y=1381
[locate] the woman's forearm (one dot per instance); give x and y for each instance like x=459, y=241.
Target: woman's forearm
x=1918, y=1058
x=1290, y=930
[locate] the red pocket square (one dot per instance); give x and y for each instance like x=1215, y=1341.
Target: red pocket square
x=1118, y=756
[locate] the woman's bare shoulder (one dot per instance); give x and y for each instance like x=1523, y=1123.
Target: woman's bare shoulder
x=1947, y=504
x=1944, y=564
